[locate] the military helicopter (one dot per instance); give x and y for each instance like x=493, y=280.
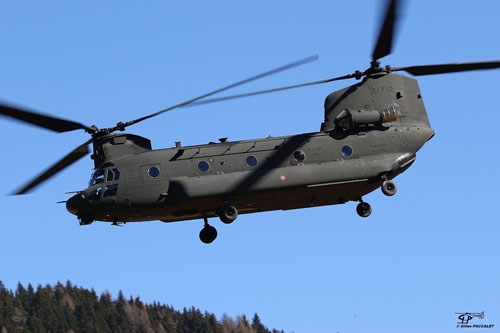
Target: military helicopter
x=371, y=133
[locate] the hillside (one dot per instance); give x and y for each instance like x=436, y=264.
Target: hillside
x=68, y=308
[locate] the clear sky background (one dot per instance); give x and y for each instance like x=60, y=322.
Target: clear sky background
x=424, y=254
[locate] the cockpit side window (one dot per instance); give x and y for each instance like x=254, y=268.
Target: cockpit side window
x=117, y=173
x=110, y=176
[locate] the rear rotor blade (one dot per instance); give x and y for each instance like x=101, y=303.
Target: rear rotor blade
x=121, y=126
x=448, y=68
x=386, y=33
x=52, y=123
x=66, y=161
x=225, y=98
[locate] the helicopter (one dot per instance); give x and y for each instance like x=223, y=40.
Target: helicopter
x=371, y=133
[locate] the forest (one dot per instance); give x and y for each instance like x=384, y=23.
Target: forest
x=68, y=308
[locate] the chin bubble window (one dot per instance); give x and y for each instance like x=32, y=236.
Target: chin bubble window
x=251, y=161
x=203, y=166
x=299, y=156
x=95, y=195
x=153, y=172
x=346, y=151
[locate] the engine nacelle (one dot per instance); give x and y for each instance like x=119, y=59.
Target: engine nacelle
x=349, y=119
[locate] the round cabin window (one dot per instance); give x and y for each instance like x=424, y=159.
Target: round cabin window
x=299, y=156
x=346, y=151
x=153, y=172
x=251, y=161
x=203, y=166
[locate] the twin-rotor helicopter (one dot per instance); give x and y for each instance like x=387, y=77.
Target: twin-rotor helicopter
x=371, y=133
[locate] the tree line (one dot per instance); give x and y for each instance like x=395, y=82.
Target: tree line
x=71, y=309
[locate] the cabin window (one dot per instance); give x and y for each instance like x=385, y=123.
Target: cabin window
x=153, y=172
x=203, y=166
x=346, y=150
x=299, y=156
x=251, y=161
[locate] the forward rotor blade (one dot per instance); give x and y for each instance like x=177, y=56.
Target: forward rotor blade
x=66, y=161
x=448, y=68
x=386, y=34
x=225, y=98
x=52, y=123
x=253, y=78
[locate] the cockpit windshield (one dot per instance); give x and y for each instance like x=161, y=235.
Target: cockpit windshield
x=105, y=172
x=97, y=177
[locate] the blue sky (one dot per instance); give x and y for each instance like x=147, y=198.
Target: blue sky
x=424, y=254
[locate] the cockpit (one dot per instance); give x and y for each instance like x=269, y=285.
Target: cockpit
x=108, y=174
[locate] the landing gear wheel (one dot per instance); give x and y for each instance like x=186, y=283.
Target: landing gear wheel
x=228, y=214
x=364, y=209
x=389, y=188
x=208, y=234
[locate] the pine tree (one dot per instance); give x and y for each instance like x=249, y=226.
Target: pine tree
x=6, y=307
x=121, y=318
x=257, y=325
x=212, y=324
x=107, y=308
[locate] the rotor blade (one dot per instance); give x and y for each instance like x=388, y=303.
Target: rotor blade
x=274, y=71
x=386, y=33
x=448, y=68
x=225, y=98
x=67, y=160
x=41, y=120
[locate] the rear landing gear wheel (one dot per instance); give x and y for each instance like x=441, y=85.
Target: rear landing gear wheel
x=208, y=234
x=228, y=214
x=364, y=209
x=389, y=188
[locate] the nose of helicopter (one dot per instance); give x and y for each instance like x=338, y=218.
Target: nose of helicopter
x=75, y=204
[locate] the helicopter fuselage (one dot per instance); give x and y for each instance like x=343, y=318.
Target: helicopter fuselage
x=371, y=133
x=193, y=182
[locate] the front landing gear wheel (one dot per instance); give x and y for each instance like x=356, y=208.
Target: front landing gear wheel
x=208, y=234
x=389, y=188
x=364, y=209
